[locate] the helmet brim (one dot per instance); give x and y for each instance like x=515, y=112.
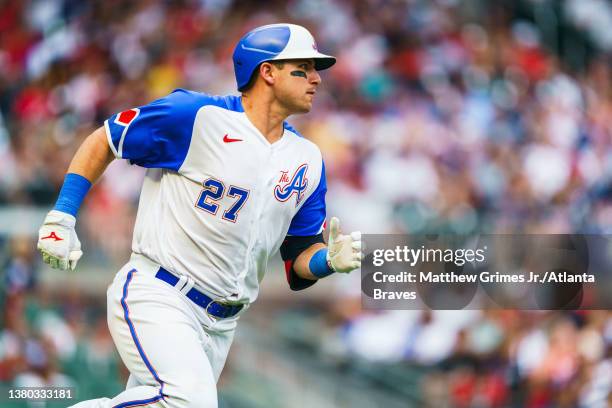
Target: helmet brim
x=321, y=61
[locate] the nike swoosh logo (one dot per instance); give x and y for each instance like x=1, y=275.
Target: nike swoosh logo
x=227, y=139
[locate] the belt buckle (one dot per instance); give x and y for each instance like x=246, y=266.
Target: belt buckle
x=220, y=303
x=225, y=305
x=207, y=312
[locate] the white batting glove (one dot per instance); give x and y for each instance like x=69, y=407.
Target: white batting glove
x=343, y=251
x=58, y=241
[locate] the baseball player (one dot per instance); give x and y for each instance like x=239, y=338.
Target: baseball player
x=228, y=184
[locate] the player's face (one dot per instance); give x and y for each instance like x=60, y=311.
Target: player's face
x=297, y=84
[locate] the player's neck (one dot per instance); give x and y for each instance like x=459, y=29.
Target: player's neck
x=265, y=116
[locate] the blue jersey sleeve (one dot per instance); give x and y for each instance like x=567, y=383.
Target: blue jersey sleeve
x=310, y=218
x=158, y=134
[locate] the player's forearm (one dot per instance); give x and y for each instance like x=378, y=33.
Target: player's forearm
x=92, y=157
x=302, y=262
x=88, y=164
x=57, y=238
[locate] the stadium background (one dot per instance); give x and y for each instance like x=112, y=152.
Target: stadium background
x=447, y=115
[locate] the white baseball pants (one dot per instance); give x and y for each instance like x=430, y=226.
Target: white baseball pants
x=174, y=351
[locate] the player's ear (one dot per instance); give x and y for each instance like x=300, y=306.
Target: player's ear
x=266, y=71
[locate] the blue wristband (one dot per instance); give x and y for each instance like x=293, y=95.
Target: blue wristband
x=72, y=194
x=318, y=264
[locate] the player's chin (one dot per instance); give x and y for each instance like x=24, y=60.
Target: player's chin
x=301, y=109
x=305, y=107
x=301, y=105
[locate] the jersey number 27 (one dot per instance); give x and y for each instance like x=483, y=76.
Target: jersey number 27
x=213, y=191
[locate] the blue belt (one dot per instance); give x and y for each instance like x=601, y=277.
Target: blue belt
x=211, y=306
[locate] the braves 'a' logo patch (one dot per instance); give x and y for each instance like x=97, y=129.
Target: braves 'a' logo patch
x=126, y=117
x=297, y=185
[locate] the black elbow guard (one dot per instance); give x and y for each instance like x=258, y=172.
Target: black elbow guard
x=291, y=248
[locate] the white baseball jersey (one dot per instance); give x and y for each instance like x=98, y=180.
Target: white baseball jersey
x=218, y=199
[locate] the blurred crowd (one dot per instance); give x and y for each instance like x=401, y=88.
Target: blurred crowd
x=493, y=358
x=440, y=115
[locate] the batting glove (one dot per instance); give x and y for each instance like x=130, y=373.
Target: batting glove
x=58, y=241
x=343, y=251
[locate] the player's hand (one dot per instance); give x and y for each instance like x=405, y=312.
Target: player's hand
x=343, y=251
x=58, y=242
